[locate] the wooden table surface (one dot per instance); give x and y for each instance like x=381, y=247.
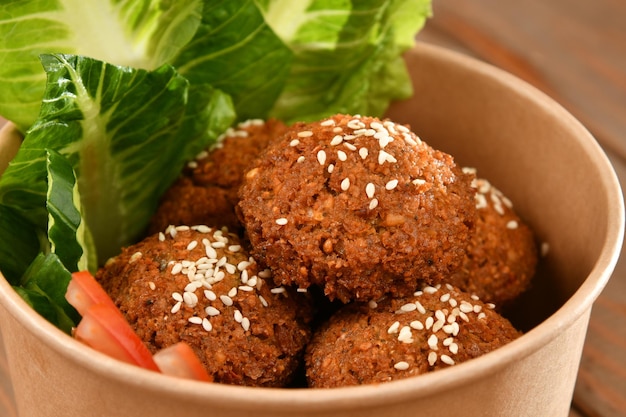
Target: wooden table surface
x=575, y=51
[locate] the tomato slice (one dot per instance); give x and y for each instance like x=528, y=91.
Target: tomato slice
x=104, y=328
x=181, y=361
x=84, y=291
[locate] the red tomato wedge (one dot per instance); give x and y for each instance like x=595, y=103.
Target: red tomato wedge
x=181, y=361
x=84, y=291
x=104, y=328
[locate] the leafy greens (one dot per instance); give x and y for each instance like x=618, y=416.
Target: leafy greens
x=114, y=96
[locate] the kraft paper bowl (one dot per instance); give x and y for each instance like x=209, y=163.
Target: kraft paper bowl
x=528, y=146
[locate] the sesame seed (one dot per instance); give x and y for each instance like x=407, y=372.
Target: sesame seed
x=466, y=307
x=391, y=185
x=294, y=142
x=190, y=299
x=191, y=287
x=477, y=308
x=135, y=256
x=345, y=184
x=342, y=155
x=491, y=305
x=363, y=152
x=418, y=181
x=266, y=273
x=401, y=366
x=263, y=301
x=243, y=265
x=176, y=269
x=349, y=146
x=512, y=225
x=177, y=296
x=161, y=237
x=336, y=140
x=192, y=245
x=433, y=341
x=238, y=316
x=481, y=315
x=233, y=292
x=417, y=325
x=195, y=320
x=176, y=307
x=444, y=298
x=430, y=290
x=447, y=360
x=420, y=307
x=245, y=324
x=226, y=300
x=372, y=304
x=429, y=322
x=182, y=228
x=278, y=290
x=282, y=221
x=331, y=168
x=218, y=245
x=212, y=311
x=447, y=341
x=337, y=129
x=328, y=122
x=206, y=325
x=393, y=328
x=405, y=335
x=453, y=348
x=385, y=157
x=370, y=189
x=203, y=228
x=152, y=285
x=305, y=134
x=302, y=290
x=300, y=159
x=321, y=157
x=246, y=288
x=252, y=281
x=432, y=358
x=408, y=307
x=373, y=203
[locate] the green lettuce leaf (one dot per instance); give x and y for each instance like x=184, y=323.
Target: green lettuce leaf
x=125, y=132
x=19, y=245
x=236, y=51
x=347, y=55
x=43, y=286
x=69, y=237
x=138, y=33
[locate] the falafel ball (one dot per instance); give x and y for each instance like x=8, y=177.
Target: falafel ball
x=206, y=192
x=501, y=257
x=393, y=339
x=359, y=206
x=198, y=285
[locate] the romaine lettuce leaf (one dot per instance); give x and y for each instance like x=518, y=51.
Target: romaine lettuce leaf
x=138, y=33
x=20, y=243
x=125, y=132
x=43, y=286
x=70, y=239
x=236, y=51
x=347, y=54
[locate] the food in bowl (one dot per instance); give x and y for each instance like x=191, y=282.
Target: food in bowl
x=198, y=285
x=395, y=338
x=358, y=205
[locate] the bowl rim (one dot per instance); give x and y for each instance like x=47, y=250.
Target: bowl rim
x=316, y=399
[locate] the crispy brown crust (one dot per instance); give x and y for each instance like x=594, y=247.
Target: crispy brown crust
x=206, y=192
x=359, y=344
x=333, y=236
x=142, y=283
x=501, y=257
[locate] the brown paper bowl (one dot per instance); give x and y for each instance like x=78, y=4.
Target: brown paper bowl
x=529, y=147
